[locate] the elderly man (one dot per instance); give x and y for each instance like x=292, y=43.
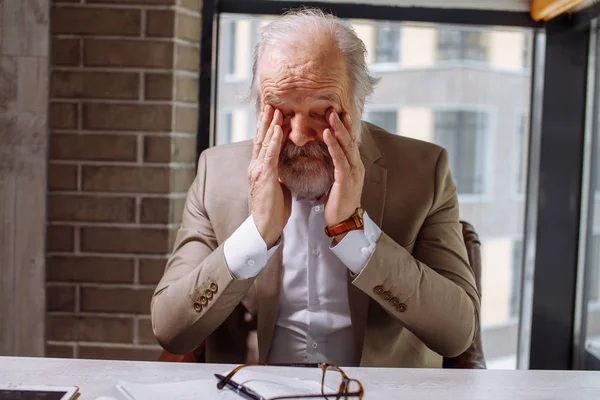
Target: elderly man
x=341, y=240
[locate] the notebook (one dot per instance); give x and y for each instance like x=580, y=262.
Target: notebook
x=265, y=384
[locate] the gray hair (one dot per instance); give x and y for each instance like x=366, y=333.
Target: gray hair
x=310, y=19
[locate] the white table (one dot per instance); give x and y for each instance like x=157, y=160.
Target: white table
x=97, y=378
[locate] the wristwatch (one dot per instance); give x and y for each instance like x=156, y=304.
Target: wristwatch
x=354, y=222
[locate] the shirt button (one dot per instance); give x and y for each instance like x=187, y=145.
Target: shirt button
x=316, y=252
x=251, y=263
x=317, y=208
x=365, y=250
x=316, y=302
x=315, y=345
x=373, y=238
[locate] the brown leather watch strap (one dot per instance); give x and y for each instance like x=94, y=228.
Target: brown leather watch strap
x=354, y=222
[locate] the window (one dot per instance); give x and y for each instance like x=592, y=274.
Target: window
x=462, y=45
x=443, y=108
x=227, y=129
x=387, y=120
x=387, y=47
x=594, y=276
x=462, y=134
x=230, y=46
x=522, y=152
x=517, y=269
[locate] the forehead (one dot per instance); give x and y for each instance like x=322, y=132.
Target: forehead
x=295, y=70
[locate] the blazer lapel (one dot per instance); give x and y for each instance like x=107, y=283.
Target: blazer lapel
x=373, y=200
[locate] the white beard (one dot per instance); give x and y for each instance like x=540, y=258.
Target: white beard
x=310, y=177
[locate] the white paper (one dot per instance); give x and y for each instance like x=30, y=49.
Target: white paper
x=266, y=385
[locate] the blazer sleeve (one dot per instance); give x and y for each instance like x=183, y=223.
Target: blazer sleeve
x=431, y=291
x=197, y=291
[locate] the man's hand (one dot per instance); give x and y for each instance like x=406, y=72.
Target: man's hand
x=349, y=175
x=271, y=201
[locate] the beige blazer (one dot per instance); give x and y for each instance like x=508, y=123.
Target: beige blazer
x=414, y=302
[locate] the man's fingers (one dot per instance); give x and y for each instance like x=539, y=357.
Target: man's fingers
x=277, y=117
x=273, y=150
x=345, y=139
x=264, y=121
x=340, y=162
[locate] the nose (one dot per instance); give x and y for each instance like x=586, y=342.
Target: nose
x=301, y=130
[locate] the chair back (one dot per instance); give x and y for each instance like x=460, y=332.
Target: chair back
x=472, y=358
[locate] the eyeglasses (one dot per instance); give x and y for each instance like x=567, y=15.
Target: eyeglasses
x=331, y=376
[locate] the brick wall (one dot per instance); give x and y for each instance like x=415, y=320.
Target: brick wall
x=123, y=116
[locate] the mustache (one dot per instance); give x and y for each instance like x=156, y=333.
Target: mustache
x=314, y=149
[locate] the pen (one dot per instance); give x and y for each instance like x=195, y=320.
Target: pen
x=240, y=389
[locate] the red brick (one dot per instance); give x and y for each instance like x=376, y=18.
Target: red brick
x=65, y=52
x=89, y=269
x=119, y=353
x=96, y=85
x=155, y=210
x=125, y=240
x=188, y=58
x=127, y=117
x=95, y=21
x=92, y=147
x=127, y=179
x=151, y=270
x=120, y=300
x=186, y=89
x=186, y=119
x=63, y=115
x=128, y=53
x=60, y=298
x=60, y=350
x=62, y=177
x=188, y=27
x=160, y=23
x=89, y=329
x=194, y=5
x=183, y=149
x=158, y=86
x=181, y=179
x=59, y=238
x=157, y=149
x=145, y=333
x=90, y=208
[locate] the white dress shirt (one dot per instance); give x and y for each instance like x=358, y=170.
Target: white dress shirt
x=313, y=322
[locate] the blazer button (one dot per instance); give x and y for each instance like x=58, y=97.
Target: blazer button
x=401, y=307
x=378, y=289
x=386, y=295
x=203, y=300
x=208, y=294
x=214, y=287
x=394, y=301
x=197, y=307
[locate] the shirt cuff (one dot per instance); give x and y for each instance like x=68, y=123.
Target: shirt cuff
x=246, y=251
x=357, y=247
